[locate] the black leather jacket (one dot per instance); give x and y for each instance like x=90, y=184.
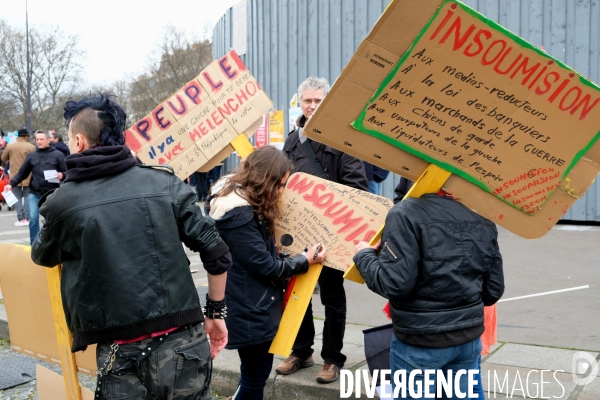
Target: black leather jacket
x=439, y=265
x=125, y=272
x=256, y=280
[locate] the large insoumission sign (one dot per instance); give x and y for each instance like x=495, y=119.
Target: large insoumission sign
x=479, y=101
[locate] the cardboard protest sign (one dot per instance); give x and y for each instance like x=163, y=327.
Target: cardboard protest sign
x=276, y=129
x=261, y=136
x=227, y=150
x=320, y=211
x=28, y=310
x=294, y=113
x=51, y=386
x=480, y=102
x=436, y=82
x=194, y=126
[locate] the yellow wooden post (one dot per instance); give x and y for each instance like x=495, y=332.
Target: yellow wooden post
x=294, y=311
x=242, y=145
x=63, y=336
x=430, y=181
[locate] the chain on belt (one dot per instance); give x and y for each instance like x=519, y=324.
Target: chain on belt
x=107, y=367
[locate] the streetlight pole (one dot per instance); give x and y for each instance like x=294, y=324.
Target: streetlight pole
x=29, y=128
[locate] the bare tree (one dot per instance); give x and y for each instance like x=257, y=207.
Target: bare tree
x=179, y=60
x=55, y=73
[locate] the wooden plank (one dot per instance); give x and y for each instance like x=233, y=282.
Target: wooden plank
x=242, y=145
x=63, y=336
x=294, y=311
x=430, y=181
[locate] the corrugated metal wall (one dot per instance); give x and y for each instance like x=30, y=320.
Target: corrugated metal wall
x=290, y=40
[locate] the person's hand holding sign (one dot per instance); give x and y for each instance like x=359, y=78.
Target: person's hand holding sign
x=365, y=245
x=316, y=254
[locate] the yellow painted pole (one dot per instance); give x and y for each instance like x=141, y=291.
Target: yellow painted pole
x=430, y=181
x=63, y=336
x=294, y=311
x=242, y=145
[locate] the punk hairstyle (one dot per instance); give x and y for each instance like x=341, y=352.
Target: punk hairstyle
x=99, y=118
x=258, y=181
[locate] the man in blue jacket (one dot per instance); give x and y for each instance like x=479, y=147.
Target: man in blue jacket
x=117, y=228
x=439, y=265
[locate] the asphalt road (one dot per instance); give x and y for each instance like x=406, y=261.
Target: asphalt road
x=566, y=257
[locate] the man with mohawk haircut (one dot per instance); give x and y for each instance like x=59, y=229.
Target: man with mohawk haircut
x=117, y=227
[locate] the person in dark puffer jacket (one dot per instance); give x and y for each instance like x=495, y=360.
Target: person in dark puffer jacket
x=44, y=158
x=245, y=206
x=439, y=265
x=117, y=227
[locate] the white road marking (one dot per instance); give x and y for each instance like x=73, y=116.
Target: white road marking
x=545, y=293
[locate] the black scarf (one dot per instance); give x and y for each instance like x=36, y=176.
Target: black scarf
x=98, y=162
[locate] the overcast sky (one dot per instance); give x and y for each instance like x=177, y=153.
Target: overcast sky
x=118, y=36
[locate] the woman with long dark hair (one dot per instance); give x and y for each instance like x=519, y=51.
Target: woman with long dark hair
x=245, y=206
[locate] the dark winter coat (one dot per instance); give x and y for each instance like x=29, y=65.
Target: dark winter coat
x=257, y=279
x=341, y=167
x=63, y=148
x=439, y=265
x=35, y=164
x=118, y=234
x=401, y=189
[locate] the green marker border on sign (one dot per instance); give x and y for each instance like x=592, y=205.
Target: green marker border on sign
x=359, y=122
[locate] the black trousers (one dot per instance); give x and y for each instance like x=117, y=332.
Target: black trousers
x=256, y=364
x=201, y=181
x=333, y=297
